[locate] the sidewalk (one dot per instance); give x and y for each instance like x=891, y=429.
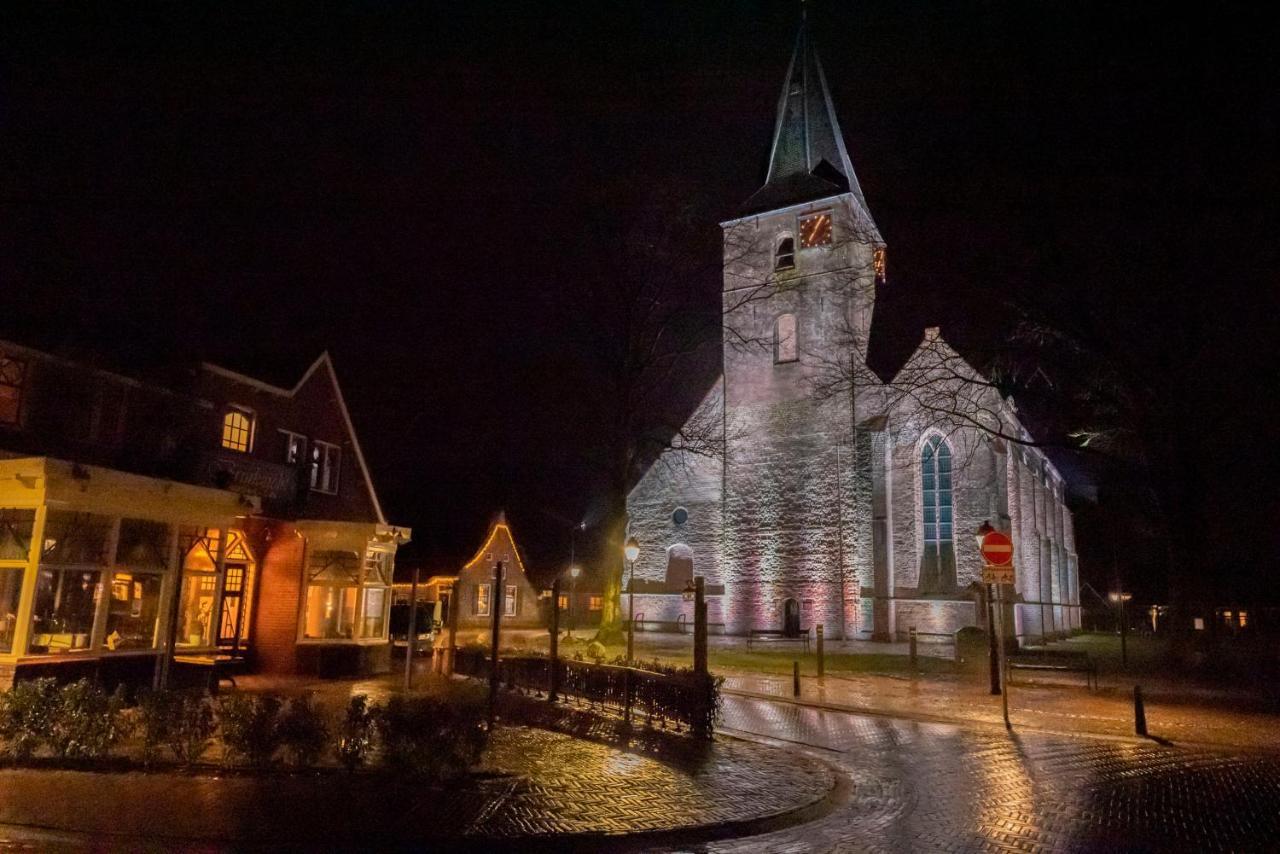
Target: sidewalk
x=1063, y=706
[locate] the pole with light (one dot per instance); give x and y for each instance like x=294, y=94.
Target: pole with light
x=632, y=551
x=574, y=572
x=1119, y=598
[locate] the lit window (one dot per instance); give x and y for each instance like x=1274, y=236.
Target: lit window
x=348, y=597
x=325, y=461
x=938, y=566
x=13, y=375
x=815, y=230
x=480, y=606
x=237, y=430
x=294, y=451
x=595, y=603
x=785, y=256
x=563, y=601
x=15, y=544
x=1244, y=619
x=75, y=551
x=784, y=338
x=509, y=602
x=879, y=262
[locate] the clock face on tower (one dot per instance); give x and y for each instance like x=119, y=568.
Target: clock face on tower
x=815, y=230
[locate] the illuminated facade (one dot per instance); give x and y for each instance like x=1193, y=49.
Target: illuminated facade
x=475, y=594
x=148, y=527
x=842, y=499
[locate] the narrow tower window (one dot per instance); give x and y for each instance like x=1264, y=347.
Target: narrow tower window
x=785, y=257
x=784, y=338
x=938, y=566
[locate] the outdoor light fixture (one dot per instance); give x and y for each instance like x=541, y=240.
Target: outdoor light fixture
x=632, y=551
x=574, y=572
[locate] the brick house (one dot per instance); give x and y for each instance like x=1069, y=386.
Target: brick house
x=203, y=514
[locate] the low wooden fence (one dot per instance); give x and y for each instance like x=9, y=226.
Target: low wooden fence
x=684, y=700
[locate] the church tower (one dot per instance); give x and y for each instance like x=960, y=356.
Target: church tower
x=801, y=264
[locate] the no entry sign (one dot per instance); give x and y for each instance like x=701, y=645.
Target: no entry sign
x=997, y=549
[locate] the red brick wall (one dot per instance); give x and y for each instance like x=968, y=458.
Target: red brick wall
x=275, y=622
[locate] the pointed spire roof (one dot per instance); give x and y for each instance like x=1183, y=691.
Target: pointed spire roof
x=807, y=160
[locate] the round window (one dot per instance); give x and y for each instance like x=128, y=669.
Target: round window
x=680, y=516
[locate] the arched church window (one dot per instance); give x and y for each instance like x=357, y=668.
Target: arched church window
x=785, y=256
x=938, y=565
x=784, y=338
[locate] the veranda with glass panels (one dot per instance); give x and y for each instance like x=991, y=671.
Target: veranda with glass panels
x=98, y=563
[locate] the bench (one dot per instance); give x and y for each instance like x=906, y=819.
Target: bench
x=777, y=636
x=1066, y=661
x=217, y=668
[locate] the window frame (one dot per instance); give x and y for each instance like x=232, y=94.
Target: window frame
x=779, y=357
x=511, y=600
x=485, y=608
x=230, y=411
x=779, y=254
x=320, y=457
x=289, y=437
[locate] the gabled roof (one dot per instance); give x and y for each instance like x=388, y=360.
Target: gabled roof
x=323, y=360
x=807, y=159
x=499, y=525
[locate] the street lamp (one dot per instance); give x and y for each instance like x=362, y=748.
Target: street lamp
x=1118, y=598
x=574, y=572
x=632, y=551
x=993, y=654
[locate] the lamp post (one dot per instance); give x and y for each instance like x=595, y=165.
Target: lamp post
x=1118, y=598
x=632, y=551
x=574, y=572
x=992, y=649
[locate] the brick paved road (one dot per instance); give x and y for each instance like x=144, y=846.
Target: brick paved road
x=935, y=787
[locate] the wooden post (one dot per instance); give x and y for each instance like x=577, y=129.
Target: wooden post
x=411, y=638
x=795, y=678
x=553, y=678
x=821, y=654
x=1139, y=712
x=699, y=626
x=494, y=640
x=626, y=694
x=911, y=645
x=454, y=607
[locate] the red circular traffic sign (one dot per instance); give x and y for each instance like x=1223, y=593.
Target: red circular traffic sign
x=997, y=549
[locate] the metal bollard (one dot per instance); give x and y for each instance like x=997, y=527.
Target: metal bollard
x=795, y=678
x=821, y=667
x=911, y=642
x=1139, y=712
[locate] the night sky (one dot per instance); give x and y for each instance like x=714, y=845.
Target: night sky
x=411, y=187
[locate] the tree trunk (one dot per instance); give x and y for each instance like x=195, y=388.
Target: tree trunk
x=611, y=563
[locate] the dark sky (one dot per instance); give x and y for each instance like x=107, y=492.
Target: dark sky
x=405, y=185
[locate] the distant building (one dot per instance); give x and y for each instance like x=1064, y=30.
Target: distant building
x=842, y=498
x=208, y=514
x=516, y=598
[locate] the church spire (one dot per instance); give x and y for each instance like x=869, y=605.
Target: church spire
x=807, y=160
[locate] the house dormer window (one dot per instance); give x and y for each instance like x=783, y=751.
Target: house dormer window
x=237, y=429
x=325, y=462
x=784, y=257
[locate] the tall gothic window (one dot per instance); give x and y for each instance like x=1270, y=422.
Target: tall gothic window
x=785, y=257
x=784, y=338
x=938, y=564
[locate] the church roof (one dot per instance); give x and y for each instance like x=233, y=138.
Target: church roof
x=807, y=160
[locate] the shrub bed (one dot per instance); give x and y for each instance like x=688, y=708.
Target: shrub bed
x=432, y=738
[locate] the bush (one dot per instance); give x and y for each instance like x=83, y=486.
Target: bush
x=434, y=737
x=250, y=727
x=181, y=720
x=303, y=731
x=86, y=721
x=27, y=712
x=355, y=733
x=595, y=651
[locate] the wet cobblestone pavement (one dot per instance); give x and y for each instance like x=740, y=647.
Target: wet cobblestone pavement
x=935, y=787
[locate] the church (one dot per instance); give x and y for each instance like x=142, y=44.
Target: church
x=837, y=497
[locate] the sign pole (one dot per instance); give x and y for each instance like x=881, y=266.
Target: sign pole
x=1004, y=668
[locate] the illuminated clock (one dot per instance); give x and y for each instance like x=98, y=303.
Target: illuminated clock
x=815, y=230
